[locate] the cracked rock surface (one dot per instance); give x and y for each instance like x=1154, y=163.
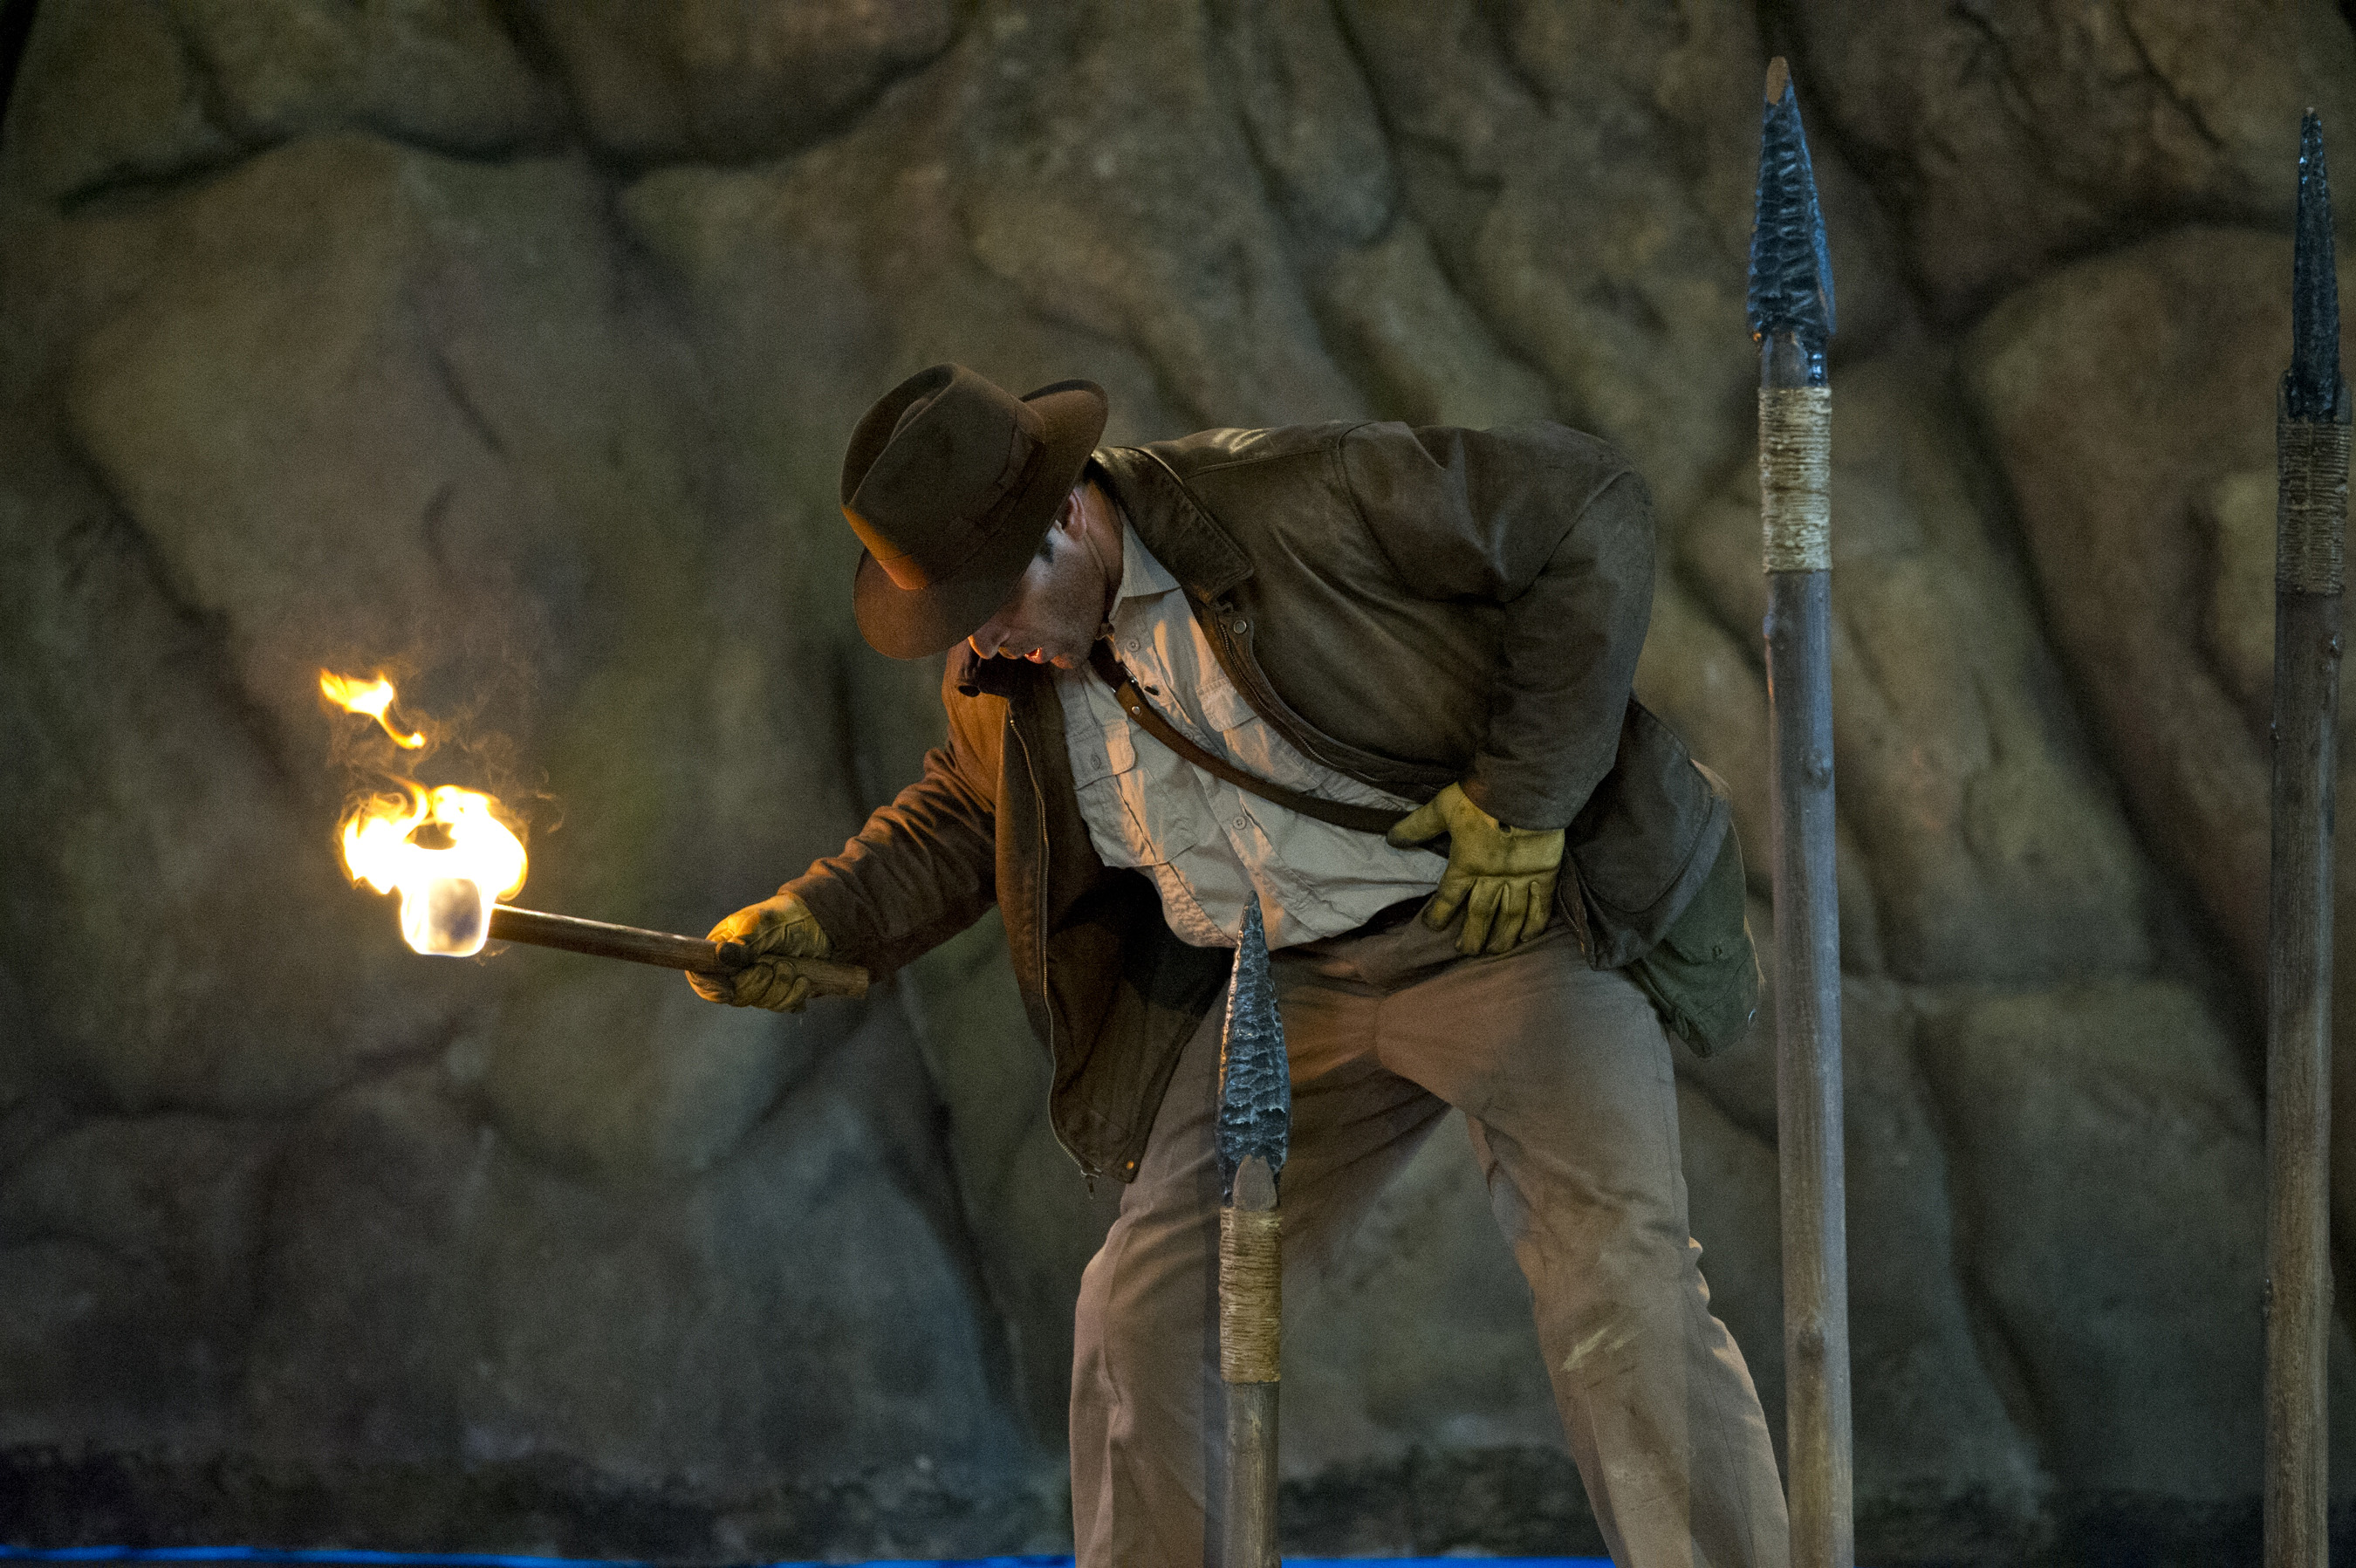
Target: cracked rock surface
x=510, y=345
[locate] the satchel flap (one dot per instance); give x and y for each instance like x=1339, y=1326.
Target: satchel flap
x=1711, y=928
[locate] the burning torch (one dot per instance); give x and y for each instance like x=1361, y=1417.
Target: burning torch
x=452, y=859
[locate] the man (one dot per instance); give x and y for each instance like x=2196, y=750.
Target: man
x=1433, y=628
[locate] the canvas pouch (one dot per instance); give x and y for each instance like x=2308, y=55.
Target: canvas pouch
x=1702, y=977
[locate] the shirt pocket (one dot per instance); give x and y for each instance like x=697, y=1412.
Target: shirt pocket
x=1224, y=706
x=1112, y=752
x=1255, y=746
x=1164, y=812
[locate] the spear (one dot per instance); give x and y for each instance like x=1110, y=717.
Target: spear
x=1791, y=317
x=2311, y=425
x=1254, y=1128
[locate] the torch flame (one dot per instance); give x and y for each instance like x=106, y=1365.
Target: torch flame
x=374, y=698
x=468, y=861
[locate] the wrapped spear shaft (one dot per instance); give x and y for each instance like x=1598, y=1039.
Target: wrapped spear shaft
x=1791, y=317
x=2310, y=528
x=1254, y=1131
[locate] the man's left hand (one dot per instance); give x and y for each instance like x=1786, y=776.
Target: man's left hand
x=1501, y=877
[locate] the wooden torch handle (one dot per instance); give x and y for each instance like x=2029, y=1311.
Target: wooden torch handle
x=664, y=950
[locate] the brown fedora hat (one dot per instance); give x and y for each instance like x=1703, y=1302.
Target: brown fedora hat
x=950, y=482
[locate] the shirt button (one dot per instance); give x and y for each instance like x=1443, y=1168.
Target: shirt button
x=1239, y=823
x=1130, y=645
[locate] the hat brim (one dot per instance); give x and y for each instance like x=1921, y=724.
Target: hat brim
x=916, y=623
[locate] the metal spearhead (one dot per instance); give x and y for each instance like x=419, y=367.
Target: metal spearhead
x=2312, y=388
x=1254, y=1080
x=1791, y=265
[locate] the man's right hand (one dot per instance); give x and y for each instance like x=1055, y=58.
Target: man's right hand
x=775, y=931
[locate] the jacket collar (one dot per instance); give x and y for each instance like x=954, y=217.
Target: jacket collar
x=975, y=676
x=1181, y=535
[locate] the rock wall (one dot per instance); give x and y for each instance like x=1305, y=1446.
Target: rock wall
x=509, y=345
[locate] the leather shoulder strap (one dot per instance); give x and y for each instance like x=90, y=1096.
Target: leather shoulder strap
x=1359, y=819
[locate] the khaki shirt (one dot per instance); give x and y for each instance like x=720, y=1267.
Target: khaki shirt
x=1207, y=845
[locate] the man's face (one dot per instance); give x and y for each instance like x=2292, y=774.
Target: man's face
x=1056, y=607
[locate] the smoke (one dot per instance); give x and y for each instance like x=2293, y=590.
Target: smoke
x=368, y=745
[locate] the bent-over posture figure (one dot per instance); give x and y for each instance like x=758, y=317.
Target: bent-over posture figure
x=1434, y=624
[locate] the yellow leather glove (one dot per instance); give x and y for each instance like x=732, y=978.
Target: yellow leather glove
x=1502, y=878
x=776, y=931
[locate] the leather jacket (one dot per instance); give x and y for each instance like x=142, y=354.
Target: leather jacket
x=1410, y=607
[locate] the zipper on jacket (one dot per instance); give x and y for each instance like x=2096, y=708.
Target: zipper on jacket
x=1046, y=997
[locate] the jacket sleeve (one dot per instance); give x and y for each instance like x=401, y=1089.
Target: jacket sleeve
x=1556, y=530
x=925, y=868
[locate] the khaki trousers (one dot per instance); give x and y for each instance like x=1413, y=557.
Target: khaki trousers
x=1563, y=1072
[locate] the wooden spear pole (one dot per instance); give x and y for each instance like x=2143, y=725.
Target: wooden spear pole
x=1254, y=1131
x=2311, y=434
x=1791, y=316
